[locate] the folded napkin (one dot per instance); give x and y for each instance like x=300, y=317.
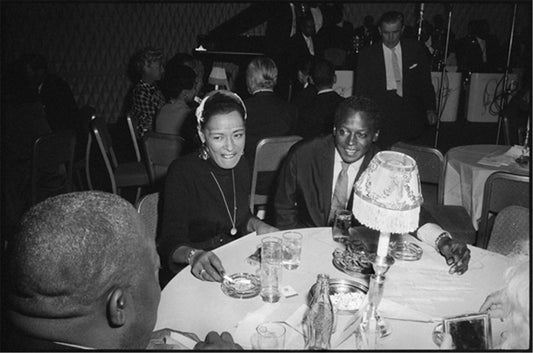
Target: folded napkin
x=246, y=327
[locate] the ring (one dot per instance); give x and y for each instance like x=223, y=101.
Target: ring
x=201, y=274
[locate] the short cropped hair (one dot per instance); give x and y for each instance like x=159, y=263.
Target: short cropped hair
x=391, y=17
x=71, y=250
x=359, y=104
x=323, y=73
x=305, y=64
x=143, y=57
x=262, y=73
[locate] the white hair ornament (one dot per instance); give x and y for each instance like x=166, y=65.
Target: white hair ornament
x=200, y=110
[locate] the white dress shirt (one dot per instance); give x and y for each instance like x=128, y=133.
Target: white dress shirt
x=353, y=169
x=309, y=42
x=387, y=53
x=317, y=17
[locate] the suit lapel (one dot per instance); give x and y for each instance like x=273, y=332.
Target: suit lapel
x=325, y=178
x=380, y=62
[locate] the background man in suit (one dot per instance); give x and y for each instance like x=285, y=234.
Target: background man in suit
x=84, y=274
x=396, y=74
x=317, y=117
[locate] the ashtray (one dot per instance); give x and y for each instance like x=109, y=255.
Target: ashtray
x=346, y=295
x=354, y=263
x=244, y=286
x=405, y=250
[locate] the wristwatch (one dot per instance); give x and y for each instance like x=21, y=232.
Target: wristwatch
x=191, y=254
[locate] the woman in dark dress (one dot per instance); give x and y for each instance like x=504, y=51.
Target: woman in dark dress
x=205, y=203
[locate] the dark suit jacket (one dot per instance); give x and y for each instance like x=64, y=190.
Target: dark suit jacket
x=404, y=118
x=317, y=117
x=296, y=50
x=303, y=197
x=268, y=116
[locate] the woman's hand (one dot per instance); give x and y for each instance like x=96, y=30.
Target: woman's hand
x=260, y=227
x=495, y=304
x=206, y=266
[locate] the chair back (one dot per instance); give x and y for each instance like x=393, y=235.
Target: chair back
x=87, y=114
x=105, y=144
x=148, y=207
x=501, y=190
x=511, y=226
x=132, y=128
x=268, y=156
x=160, y=150
x=430, y=162
x=52, y=165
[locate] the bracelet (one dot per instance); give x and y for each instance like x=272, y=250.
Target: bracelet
x=440, y=237
x=191, y=254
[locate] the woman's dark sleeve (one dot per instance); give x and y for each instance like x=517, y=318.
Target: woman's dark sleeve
x=175, y=215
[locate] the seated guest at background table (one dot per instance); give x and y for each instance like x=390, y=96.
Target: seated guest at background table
x=83, y=275
x=316, y=118
x=511, y=305
x=195, y=64
x=206, y=198
x=315, y=178
x=268, y=114
x=179, y=88
x=147, y=98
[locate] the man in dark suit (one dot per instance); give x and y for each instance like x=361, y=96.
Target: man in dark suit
x=317, y=117
x=310, y=189
x=396, y=74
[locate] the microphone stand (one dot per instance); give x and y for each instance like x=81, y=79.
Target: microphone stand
x=421, y=16
x=505, y=93
x=442, y=74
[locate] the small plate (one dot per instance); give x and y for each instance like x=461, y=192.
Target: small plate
x=342, y=286
x=246, y=285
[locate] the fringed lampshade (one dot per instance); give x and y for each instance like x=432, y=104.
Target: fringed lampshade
x=388, y=194
x=218, y=77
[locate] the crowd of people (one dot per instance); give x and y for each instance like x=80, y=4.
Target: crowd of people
x=60, y=293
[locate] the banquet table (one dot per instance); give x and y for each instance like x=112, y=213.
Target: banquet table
x=418, y=294
x=465, y=177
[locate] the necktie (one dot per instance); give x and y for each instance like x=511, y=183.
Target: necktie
x=340, y=193
x=397, y=73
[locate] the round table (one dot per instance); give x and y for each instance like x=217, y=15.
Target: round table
x=417, y=294
x=465, y=177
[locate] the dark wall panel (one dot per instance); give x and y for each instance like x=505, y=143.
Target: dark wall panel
x=89, y=44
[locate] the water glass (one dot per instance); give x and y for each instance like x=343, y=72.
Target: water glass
x=341, y=225
x=271, y=335
x=292, y=249
x=270, y=272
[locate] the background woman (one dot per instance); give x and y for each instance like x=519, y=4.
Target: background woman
x=205, y=203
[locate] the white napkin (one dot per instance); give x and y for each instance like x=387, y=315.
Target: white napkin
x=394, y=311
x=246, y=327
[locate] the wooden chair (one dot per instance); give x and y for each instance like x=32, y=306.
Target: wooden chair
x=123, y=174
x=148, y=207
x=160, y=150
x=431, y=167
x=501, y=190
x=52, y=165
x=511, y=226
x=268, y=156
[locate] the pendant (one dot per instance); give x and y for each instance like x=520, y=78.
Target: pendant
x=233, y=231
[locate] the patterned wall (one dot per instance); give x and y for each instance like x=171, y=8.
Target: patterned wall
x=89, y=44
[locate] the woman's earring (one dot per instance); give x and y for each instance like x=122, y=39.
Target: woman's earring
x=203, y=152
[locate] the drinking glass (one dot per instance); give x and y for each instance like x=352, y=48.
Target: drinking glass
x=271, y=335
x=271, y=269
x=292, y=249
x=341, y=225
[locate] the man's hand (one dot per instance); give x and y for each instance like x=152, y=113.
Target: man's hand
x=456, y=253
x=214, y=341
x=260, y=227
x=494, y=303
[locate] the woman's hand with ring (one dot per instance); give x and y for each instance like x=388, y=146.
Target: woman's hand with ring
x=206, y=266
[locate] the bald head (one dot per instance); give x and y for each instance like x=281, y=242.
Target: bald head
x=70, y=250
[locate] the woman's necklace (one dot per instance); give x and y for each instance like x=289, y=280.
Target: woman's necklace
x=233, y=230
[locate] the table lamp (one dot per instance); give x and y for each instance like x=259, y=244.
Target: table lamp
x=387, y=198
x=218, y=77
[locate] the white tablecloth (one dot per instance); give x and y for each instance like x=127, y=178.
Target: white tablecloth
x=465, y=178
x=421, y=290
